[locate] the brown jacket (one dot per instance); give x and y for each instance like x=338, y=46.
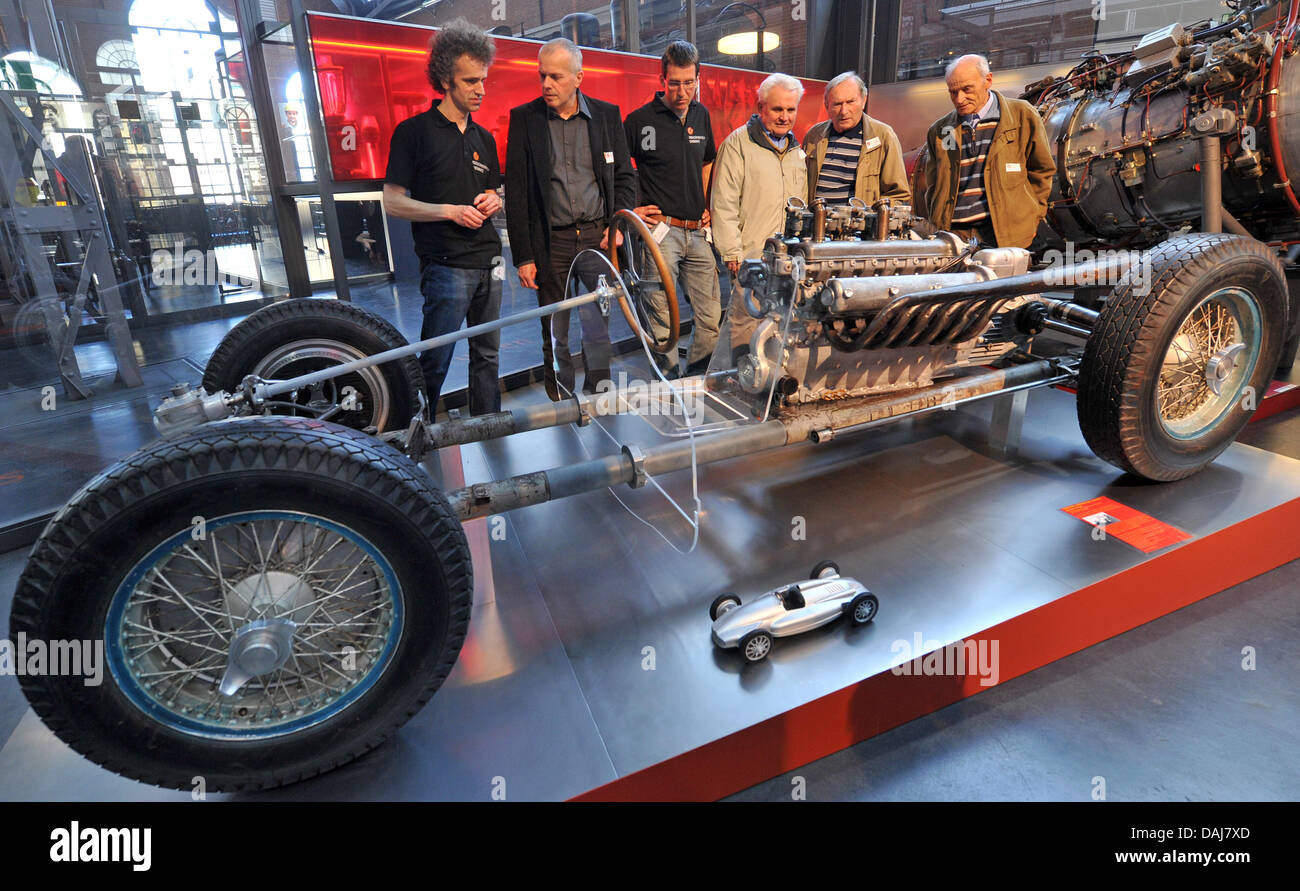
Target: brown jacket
x=1017, y=174
x=880, y=165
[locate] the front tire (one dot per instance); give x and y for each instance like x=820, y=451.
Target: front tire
x=863, y=608
x=1170, y=376
x=224, y=550
x=755, y=646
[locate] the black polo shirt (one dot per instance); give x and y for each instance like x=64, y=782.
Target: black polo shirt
x=431, y=158
x=670, y=156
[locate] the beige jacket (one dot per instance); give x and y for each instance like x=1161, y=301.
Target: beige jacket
x=1017, y=174
x=881, y=173
x=751, y=182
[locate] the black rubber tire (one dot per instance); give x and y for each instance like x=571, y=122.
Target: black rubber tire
x=1123, y=357
x=286, y=464
x=822, y=567
x=351, y=328
x=717, y=604
x=752, y=636
x=852, y=609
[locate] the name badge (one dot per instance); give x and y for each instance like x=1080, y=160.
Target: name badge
x=872, y=143
x=1013, y=167
x=803, y=156
x=660, y=232
x=609, y=157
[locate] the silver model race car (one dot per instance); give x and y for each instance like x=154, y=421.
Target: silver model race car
x=789, y=610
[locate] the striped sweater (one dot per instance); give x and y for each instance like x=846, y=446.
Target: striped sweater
x=838, y=174
x=976, y=137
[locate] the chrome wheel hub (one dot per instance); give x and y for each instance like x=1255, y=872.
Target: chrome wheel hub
x=1221, y=366
x=257, y=648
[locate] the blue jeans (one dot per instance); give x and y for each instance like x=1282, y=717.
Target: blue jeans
x=691, y=261
x=452, y=296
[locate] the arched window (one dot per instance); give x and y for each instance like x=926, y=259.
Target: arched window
x=116, y=60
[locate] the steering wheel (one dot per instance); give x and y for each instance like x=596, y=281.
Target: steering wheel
x=637, y=317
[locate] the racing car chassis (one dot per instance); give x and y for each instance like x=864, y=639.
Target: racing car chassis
x=277, y=595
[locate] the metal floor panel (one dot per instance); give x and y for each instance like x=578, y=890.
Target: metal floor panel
x=589, y=654
x=47, y=455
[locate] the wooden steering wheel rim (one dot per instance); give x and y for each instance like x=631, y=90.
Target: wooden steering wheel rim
x=625, y=219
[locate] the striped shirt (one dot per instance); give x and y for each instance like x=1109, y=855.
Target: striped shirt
x=976, y=138
x=839, y=170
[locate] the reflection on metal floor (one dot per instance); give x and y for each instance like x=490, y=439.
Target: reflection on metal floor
x=51, y=444
x=589, y=658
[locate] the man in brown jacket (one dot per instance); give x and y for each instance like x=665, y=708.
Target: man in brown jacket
x=989, y=167
x=852, y=155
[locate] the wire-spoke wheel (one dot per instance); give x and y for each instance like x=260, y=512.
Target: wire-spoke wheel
x=1182, y=354
x=272, y=622
x=1208, y=360
x=275, y=597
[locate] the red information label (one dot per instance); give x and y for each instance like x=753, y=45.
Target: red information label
x=1130, y=526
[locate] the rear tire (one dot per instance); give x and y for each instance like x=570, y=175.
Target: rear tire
x=717, y=607
x=295, y=337
x=1169, y=377
x=340, y=543
x=823, y=570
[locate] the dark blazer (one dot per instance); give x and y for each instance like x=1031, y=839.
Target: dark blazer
x=528, y=175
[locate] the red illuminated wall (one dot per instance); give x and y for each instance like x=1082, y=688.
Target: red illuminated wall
x=371, y=77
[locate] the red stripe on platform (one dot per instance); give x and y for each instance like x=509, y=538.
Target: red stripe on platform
x=1161, y=585
x=1279, y=397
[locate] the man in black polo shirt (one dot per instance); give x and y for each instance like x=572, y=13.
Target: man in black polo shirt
x=442, y=176
x=671, y=140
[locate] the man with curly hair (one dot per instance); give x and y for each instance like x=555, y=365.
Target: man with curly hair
x=443, y=176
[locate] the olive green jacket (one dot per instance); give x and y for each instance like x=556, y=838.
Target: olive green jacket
x=1017, y=173
x=880, y=164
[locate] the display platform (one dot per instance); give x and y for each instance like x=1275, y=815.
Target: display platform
x=589, y=671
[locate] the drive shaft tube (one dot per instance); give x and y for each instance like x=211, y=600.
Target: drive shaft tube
x=633, y=464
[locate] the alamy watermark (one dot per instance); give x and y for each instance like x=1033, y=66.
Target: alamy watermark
x=178, y=266
x=638, y=397
x=964, y=657
x=72, y=658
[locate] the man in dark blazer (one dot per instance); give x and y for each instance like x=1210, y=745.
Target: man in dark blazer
x=567, y=172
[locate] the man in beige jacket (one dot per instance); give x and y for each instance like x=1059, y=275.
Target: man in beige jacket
x=853, y=155
x=759, y=167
